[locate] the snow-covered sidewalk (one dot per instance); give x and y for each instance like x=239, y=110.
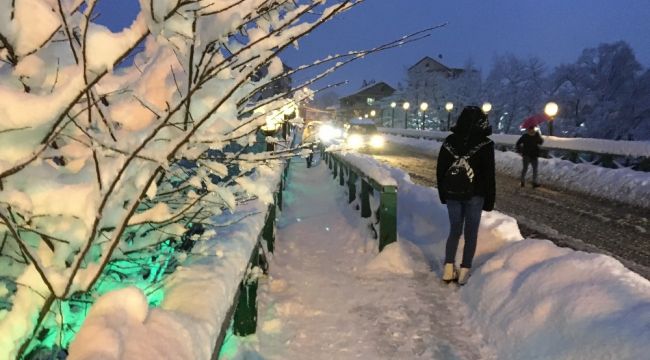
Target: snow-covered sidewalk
x=330, y=296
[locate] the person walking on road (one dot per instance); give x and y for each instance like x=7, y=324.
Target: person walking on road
x=466, y=183
x=528, y=146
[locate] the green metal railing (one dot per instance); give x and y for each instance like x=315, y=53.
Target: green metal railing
x=386, y=212
x=242, y=315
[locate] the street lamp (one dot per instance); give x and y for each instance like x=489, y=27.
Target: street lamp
x=289, y=113
x=551, y=110
x=270, y=128
x=449, y=106
x=373, y=113
x=423, y=107
x=406, y=106
x=486, y=107
x=392, y=116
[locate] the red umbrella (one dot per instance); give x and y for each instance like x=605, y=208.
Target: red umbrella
x=534, y=120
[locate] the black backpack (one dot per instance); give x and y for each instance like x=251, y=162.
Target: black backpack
x=458, y=181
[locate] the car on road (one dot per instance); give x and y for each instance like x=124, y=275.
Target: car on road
x=363, y=135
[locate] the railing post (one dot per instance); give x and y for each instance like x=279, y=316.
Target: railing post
x=279, y=197
x=335, y=168
x=331, y=161
x=387, y=216
x=352, y=188
x=365, y=199
x=341, y=172
x=245, y=317
x=286, y=170
x=268, y=232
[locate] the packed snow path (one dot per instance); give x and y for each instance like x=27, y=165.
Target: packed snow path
x=329, y=295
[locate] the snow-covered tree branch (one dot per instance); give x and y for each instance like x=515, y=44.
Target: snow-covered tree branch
x=94, y=150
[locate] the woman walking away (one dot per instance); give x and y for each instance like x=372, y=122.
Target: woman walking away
x=465, y=174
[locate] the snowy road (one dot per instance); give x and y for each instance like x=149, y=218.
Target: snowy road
x=566, y=218
x=324, y=298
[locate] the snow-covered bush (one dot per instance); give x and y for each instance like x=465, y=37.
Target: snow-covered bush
x=108, y=169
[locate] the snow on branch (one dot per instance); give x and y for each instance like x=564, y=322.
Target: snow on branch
x=104, y=161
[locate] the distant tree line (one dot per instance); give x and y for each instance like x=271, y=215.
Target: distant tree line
x=605, y=93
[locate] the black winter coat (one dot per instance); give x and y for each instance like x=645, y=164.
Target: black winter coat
x=482, y=163
x=528, y=145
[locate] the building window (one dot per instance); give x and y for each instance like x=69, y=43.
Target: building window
x=370, y=101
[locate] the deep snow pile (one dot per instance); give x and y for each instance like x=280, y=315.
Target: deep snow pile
x=531, y=298
x=624, y=185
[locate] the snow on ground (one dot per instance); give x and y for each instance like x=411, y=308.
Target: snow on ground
x=623, y=185
x=329, y=295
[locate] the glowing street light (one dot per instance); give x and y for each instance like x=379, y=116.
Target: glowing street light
x=551, y=110
x=449, y=106
x=486, y=107
x=271, y=126
x=392, y=116
x=406, y=107
x=373, y=113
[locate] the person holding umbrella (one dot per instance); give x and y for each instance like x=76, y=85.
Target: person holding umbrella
x=528, y=146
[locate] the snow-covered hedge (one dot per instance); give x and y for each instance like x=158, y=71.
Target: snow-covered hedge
x=198, y=296
x=116, y=148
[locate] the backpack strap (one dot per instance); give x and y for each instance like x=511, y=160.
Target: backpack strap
x=477, y=148
x=471, y=152
x=450, y=149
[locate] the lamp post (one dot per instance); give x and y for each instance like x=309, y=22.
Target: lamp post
x=372, y=114
x=289, y=113
x=551, y=110
x=392, y=116
x=423, y=107
x=406, y=106
x=449, y=106
x=486, y=109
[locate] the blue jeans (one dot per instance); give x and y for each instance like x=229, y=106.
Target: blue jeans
x=467, y=213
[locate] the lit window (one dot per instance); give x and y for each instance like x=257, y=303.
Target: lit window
x=370, y=101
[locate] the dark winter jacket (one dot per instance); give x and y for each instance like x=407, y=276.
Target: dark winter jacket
x=528, y=145
x=466, y=135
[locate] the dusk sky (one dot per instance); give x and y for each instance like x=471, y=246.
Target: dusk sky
x=556, y=31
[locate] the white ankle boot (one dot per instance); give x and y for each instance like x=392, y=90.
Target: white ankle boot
x=463, y=276
x=449, y=273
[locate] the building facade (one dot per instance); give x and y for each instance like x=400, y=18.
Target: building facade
x=364, y=101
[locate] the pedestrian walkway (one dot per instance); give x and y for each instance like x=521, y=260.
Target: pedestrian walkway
x=329, y=295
